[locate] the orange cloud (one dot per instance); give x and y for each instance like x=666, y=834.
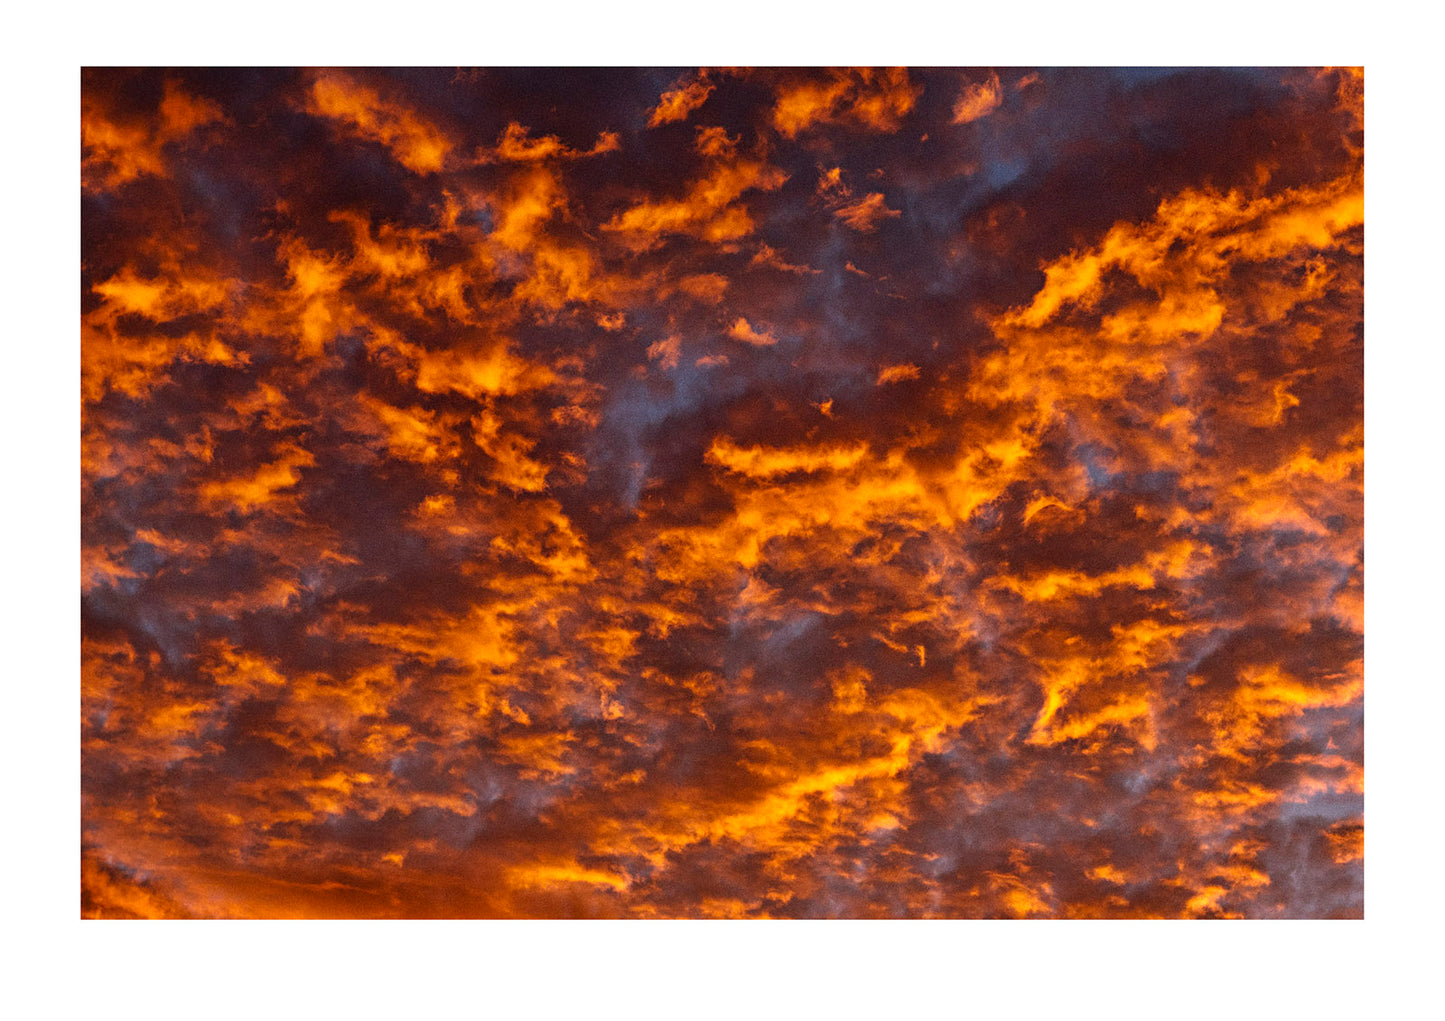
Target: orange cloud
x=517, y=146
x=710, y=209
x=665, y=352
x=897, y=373
x=757, y=462
x=251, y=490
x=862, y=215
x=744, y=331
x=132, y=361
x=415, y=143
x=978, y=99
x=678, y=103
x=871, y=98
x=705, y=287
x=106, y=892
x=830, y=184
x=412, y=434
x=769, y=257
x=163, y=298
x=867, y=213
x=489, y=369
x=116, y=150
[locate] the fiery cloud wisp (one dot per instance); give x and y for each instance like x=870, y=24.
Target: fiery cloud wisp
x=831, y=493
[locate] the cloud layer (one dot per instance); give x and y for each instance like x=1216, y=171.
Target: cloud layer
x=822, y=493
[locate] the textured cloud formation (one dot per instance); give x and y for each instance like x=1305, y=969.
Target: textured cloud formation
x=866, y=493
x=978, y=99
x=678, y=103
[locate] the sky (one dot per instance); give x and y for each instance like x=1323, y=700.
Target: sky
x=692, y=493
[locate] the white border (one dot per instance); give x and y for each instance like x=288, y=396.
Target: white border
x=61, y=967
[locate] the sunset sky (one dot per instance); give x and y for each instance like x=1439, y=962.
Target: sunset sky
x=722, y=493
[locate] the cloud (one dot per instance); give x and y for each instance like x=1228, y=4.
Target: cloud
x=757, y=462
x=517, y=146
x=872, y=99
x=863, y=214
x=867, y=213
x=709, y=209
x=108, y=892
x=769, y=257
x=665, y=352
x=419, y=146
x=744, y=331
x=117, y=149
x=471, y=528
x=978, y=99
x=678, y=103
x=897, y=373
